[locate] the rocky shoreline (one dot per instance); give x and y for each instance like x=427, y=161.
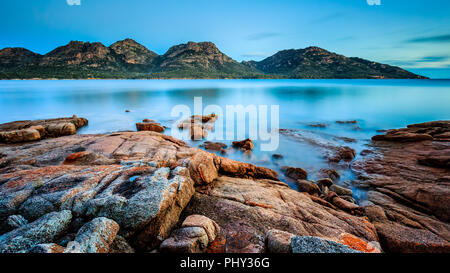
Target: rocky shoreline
x=145, y=191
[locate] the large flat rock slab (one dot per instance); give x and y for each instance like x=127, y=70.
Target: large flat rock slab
x=140, y=180
x=247, y=209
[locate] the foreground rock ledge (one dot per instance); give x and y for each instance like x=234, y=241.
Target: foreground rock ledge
x=143, y=181
x=408, y=182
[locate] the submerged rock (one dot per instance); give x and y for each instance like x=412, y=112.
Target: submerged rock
x=277, y=156
x=331, y=150
x=295, y=173
x=344, y=153
x=214, y=146
x=330, y=173
x=346, y=121
x=317, y=125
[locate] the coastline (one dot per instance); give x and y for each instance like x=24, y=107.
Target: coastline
x=140, y=79
x=206, y=182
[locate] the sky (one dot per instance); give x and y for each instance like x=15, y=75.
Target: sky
x=412, y=34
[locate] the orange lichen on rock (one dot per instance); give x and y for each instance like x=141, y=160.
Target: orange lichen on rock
x=255, y=204
x=357, y=244
x=40, y=174
x=217, y=246
x=73, y=157
x=28, y=176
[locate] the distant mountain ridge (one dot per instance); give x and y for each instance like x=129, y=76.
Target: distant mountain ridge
x=129, y=59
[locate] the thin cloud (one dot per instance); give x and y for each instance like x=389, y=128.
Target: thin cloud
x=423, y=62
x=433, y=59
x=431, y=39
x=254, y=55
x=263, y=35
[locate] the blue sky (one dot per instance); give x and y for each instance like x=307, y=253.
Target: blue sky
x=413, y=34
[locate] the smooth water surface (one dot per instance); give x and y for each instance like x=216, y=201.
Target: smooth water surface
x=375, y=104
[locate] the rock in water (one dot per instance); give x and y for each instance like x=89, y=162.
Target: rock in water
x=198, y=126
x=245, y=145
x=214, y=146
x=197, y=132
x=295, y=173
x=310, y=244
x=341, y=190
x=277, y=156
x=344, y=153
x=150, y=126
x=308, y=186
x=94, y=237
x=325, y=182
x=44, y=230
x=417, y=132
x=346, y=121
x=330, y=173
x=25, y=131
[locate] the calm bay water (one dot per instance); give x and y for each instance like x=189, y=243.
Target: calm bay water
x=375, y=104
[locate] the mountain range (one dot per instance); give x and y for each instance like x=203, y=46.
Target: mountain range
x=129, y=59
